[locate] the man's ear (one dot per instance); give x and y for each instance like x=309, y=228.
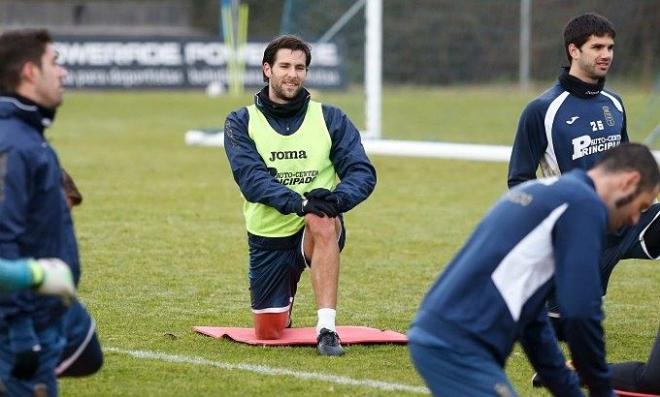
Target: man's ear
x=267, y=69
x=573, y=50
x=629, y=181
x=29, y=71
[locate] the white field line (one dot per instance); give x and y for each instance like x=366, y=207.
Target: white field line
x=264, y=370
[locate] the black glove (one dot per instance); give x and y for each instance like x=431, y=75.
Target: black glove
x=26, y=363
x=322, y=194
x=321, y=202
x=318, y=207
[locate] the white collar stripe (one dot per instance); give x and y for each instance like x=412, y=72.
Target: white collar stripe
x=18, y=104
x=616, y=102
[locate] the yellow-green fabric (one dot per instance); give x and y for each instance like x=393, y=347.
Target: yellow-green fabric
x=300, y=161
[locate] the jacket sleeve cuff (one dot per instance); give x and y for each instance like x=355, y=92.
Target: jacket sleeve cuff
x=294, y=205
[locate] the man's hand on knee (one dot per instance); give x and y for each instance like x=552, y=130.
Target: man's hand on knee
x=320, y=202
x=322, y=194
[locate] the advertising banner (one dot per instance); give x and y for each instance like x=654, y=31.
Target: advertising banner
x=107, y=62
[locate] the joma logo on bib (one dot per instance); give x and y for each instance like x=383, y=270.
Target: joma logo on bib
x=288, y=155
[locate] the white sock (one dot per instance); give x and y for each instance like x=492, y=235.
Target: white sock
x=326, y=320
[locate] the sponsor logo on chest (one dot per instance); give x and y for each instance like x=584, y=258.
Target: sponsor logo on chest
x=287, y=155
x=585, y=145
x=572, y=120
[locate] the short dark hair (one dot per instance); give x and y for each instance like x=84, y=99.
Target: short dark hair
x=579, y=29
x=632, y=157
x=290, y=42
x=18, y=47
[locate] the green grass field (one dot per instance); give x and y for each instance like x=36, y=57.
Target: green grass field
x=163, y=244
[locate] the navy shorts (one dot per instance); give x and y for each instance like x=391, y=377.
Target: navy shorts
x=449, y=372
x=275, y=268
x=82, y=354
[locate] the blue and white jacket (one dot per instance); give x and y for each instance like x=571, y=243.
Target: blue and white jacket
x=34, y=218
x=540, y=236
x=569, y=126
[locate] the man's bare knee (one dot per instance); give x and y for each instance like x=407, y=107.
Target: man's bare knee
x=269, y=326
x=321, y=228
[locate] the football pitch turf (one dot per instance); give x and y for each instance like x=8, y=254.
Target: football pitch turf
x=163, y=245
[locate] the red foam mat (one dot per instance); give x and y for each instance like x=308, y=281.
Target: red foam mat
x=622, y=393
x=349, y=335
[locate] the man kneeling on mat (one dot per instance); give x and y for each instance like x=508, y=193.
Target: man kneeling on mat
x=287, y=153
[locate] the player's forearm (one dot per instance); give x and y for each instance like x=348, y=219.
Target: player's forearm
x=586, y=342
x=355, y=189
x=357, y=176
x=542, y=349
x=522, y=167
x=528, y=146
x=259, y=187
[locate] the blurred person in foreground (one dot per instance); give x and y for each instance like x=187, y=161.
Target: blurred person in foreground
x=541, y=236
x=571, y=126
x=299, y=165
x=39, y=336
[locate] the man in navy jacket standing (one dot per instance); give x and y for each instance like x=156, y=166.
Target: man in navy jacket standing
x=35, y=222
x=571, y=125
